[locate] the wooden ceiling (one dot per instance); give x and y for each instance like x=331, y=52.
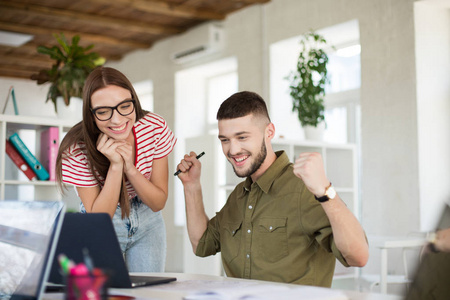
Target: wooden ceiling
x=115, y=27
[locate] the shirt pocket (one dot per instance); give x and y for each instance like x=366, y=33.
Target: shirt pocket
x=231, y=240
x=271, y=238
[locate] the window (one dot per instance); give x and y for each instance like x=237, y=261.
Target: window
x=199, y=91
x=342, y=104
x=144, y=90
x=219, y=88
x=342, y=94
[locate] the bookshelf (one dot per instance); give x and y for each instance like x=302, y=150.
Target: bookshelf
x=13, y=184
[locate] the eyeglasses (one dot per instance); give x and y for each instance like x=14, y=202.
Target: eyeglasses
x=104, y=113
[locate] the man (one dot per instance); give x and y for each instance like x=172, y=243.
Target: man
x=284, y=222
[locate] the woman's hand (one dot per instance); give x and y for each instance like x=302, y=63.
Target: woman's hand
x=126, y=152
x=108, y=147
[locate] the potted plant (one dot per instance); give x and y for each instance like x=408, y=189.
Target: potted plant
x=307, y=82
x=72, y=65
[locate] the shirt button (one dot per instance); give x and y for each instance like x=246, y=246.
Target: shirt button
x=250, y=207
x=248, y=255
x=270, y=228
x=233, y=231
x=249, y=231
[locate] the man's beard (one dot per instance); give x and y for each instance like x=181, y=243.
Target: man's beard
x=256, y=163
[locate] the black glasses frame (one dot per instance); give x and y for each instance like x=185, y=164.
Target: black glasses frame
x=93, y=110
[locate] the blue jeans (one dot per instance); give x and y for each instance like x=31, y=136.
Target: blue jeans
x=142, y=237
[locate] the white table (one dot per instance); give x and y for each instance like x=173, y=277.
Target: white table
x=171, y=291
x=384, y=244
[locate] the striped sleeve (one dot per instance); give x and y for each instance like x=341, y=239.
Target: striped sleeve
x=75, y=168
x=165, y=143
x=165, y=139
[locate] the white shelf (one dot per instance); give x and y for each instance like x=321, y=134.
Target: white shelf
x=34, y=121
x=34, y=182
x=9, y=173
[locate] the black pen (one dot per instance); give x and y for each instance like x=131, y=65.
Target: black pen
x=197, y=157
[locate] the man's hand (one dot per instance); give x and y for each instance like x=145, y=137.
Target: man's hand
x=309, y=167
x=190, y=168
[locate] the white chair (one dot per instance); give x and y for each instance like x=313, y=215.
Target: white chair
x=409, y=244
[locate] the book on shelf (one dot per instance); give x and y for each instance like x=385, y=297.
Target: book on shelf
x=19, y=161
x=31, y=160
x=49, y=150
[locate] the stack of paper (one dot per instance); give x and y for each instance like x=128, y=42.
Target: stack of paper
x=268, y=292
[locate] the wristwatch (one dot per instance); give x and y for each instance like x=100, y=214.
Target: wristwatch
x=330, y=193
x=432, y=243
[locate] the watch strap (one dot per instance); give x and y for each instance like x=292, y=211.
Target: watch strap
x=325, y=197
x=322, y=199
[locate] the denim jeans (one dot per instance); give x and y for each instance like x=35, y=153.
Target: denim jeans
x=142, y=237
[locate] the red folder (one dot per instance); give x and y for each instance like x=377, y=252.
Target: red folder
x=19, y=161
x=49, y=150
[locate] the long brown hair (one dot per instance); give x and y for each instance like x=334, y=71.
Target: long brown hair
x=87, y=131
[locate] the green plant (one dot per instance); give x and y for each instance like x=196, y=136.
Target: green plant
x=307, y=82
x=73, y=63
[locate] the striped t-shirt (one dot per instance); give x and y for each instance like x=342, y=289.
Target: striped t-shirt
x=153, y=140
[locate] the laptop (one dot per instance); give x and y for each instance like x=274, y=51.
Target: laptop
x=95, y=232
x=28, y=236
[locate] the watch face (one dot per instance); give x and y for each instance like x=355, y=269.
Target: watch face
x=331, y=192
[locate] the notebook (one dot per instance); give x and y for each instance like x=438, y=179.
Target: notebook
x=95, y=232
x=28, y=236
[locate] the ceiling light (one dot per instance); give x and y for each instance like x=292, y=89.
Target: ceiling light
x=14, y=39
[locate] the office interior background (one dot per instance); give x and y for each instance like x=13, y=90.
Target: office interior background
x=389, y=95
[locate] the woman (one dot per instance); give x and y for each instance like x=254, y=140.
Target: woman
x=117, y=159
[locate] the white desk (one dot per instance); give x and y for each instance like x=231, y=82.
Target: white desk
x=176, y=290
x=386, y=243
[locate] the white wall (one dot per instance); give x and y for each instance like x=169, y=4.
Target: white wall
x=432, y=23
x=30, y=98
x=391, y=155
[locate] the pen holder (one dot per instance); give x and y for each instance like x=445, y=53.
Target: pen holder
x=87, y=287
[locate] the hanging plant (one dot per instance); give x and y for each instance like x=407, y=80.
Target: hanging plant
x=307, y=82
x=72, y=65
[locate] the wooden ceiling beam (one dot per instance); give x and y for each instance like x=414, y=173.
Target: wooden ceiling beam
x=62, y=15
x=247, y=2
x=91, y=38
x=12, y=59
x=166, y=9
x=12, y=72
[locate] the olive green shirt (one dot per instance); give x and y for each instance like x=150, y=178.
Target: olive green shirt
x=273, y=229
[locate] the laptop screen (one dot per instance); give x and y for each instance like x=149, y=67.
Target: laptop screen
x=28, y=234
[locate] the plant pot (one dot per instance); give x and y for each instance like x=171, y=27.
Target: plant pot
x=72, y=112
x=314, y=133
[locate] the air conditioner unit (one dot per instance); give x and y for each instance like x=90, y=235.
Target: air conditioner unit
x=204, y=41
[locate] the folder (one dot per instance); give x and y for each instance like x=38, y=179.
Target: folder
x=49, y=150
x=19, y=161
x=31, y=160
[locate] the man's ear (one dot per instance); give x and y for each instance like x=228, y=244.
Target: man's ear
x=270, y=131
